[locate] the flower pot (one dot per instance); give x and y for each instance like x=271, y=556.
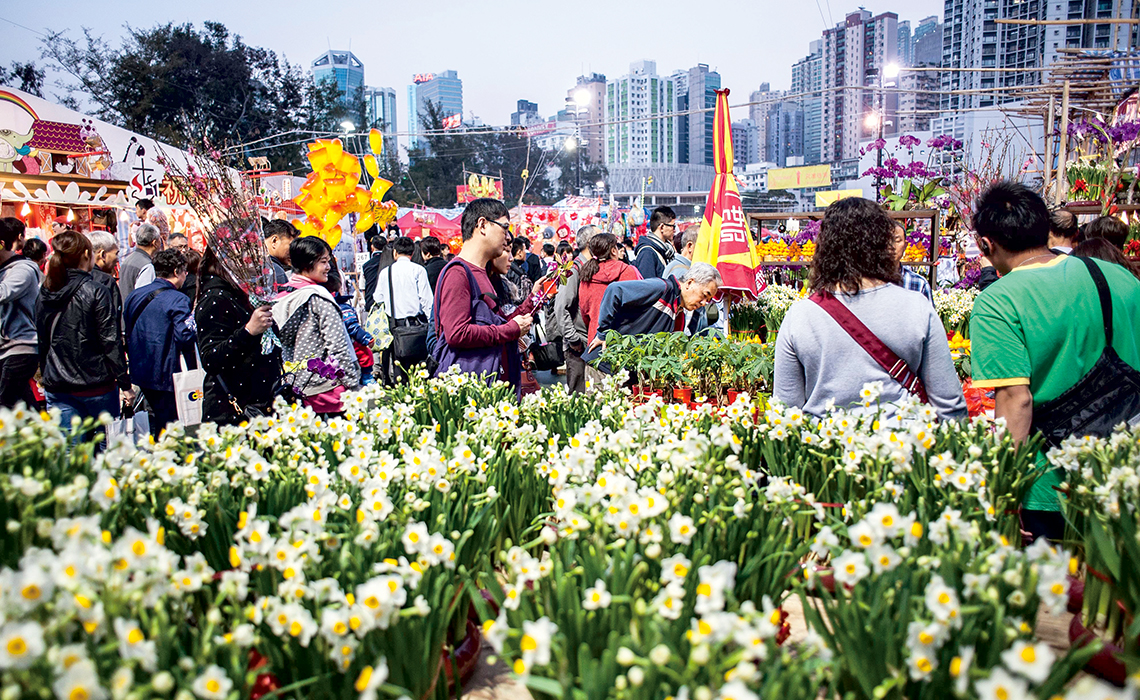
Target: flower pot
x=732, y=394
x=683, y=394
x=466, y=655
x=1105, y=664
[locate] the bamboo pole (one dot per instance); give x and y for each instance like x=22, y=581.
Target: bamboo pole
x=1062, y=147
x=1048, y=165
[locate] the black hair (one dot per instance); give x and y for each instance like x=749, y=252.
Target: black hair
x=279, y=227
x=404, y=246
x=304, y=252
x=35, y=250
x=430, y=245
x=856, y=241
x=1063, y=223
x=193, y=260
x=679, y=241
x=661, y=215
x=176, y=234
x=11, y=229
x=564, y=247
x=519, y=244
x=145, y=203
x=377, y=243
x=548, y=249
x=482, y=208
x=1013, y=215
x=601, y=247
x=333, y=283
x=168, y=263
x=1102, y=249
x=1109, y=228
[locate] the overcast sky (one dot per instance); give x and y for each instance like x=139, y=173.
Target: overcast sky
x=504, y=50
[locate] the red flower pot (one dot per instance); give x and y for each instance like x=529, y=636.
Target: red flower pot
x=466, y=655
x=732, y=394
x=683, y=394
x=1105, y=664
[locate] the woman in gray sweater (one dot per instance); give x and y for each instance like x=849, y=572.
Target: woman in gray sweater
x=819, y=363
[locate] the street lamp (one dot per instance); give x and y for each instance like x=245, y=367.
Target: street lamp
x=572, y=145
x=348, y=126
x=582, y=97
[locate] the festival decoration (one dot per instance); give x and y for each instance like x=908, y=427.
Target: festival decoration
x=333, y=190
x=479, y=186
x=725, y=240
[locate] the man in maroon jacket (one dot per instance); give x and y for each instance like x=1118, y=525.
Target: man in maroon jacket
x=486, y=231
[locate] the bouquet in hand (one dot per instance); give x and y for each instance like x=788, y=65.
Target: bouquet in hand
x=548, y=285
x=225, y=204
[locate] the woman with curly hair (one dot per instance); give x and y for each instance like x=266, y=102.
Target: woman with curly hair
x=856, y=294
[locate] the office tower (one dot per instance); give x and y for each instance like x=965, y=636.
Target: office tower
x=702, y=87
x=855, y=52
x=905, y=44
x=380, y=111
x=926, y=49
x=745, y=143
x=342, y=68
x=785, y=132
x=444, y=89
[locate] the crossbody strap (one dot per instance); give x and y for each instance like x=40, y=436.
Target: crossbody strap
x=894, y=365
x=142, y=307
x=476, y=293
x=1105, y=298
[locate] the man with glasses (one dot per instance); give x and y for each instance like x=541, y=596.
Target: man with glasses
x=655, y=250
x=477, y=337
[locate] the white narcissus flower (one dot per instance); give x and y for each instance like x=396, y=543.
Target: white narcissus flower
x=21, y=643
x=495, y=631
x=883, y=558
x=681, y=529
x=735, y=690
x=81, y=680
x=825, y=539
x=960, y=669
x=213, y=684
x=415, y=538
x=536, y=641
x=1030, y=660
x=715, y=580
x=942, y=601
x=885, y=519
x=675, y=569
x=850, y=568
x=597, y=597
x=133, y=644
x=1001, y=686
x=370, y=679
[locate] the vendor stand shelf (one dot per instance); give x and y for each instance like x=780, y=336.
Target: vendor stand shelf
x=932, y=215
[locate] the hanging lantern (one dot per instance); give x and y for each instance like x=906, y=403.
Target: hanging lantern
x=70, y=215
x=26, y=211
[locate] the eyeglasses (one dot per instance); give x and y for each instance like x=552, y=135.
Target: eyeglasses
x=672, y=226
x=506, y=227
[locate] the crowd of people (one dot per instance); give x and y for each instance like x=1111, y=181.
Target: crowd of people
x=103, y=334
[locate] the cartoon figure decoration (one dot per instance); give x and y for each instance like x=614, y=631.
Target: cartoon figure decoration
x=100, y=159
x=13, y=147
x=333, y=190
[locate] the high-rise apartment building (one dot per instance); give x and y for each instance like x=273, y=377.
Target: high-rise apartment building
x=926, y=43
x=587, y=99
x=918, y=100
x=760, y=102
x=745, y=143
x=444, y=89
x=807, y=80
x=972, y=38
x=342, y=68
x=855, y=52
x=785, y=133
x=525, y=114
x=635, y=103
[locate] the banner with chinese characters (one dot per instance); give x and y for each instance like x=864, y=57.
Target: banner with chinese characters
x=479, y=186
x=725, y=241
x=799, y=178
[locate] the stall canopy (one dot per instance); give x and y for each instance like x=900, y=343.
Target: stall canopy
x=417, y=223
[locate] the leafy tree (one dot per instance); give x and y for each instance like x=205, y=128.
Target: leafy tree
x=24, y=76
x=180, y=85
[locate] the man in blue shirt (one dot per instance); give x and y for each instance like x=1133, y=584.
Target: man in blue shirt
x=911, y=281
x=158, y=330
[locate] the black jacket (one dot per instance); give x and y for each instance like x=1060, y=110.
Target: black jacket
x=112, y=286
x=230, y=352
x=434, y=267
x=371, y=271
x=652, y=256
x=80, y=337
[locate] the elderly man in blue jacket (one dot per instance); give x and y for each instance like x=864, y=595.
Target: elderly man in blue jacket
x=654, y=305
x=158, y=329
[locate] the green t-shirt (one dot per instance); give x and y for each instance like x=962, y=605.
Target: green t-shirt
x=1040, y=325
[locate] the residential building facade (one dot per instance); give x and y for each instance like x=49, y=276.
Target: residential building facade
x=807, y=81
x=590, y=90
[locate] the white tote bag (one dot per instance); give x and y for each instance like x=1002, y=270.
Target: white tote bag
x=188, y=391
x=133, y=428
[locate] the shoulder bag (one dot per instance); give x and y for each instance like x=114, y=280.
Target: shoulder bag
x=1108, y=394
x=409, y=335
x=894, y=365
